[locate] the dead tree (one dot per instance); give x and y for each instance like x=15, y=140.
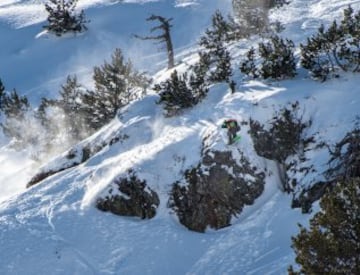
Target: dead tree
x=165, y=37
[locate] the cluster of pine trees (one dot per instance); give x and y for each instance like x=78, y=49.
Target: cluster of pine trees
x=77, y=112
x=326, y=52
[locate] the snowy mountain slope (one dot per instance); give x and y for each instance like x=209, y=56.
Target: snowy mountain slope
x=37, y=65
x=54, y=228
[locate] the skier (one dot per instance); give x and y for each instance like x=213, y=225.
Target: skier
x=233, y=128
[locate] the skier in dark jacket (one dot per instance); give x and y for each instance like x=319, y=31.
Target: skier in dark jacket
x=233, y=127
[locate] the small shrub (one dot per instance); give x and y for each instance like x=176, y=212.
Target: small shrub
x=62, y=17
x=248, y=66
x=130, y=196
x=277, y=60
x=221, y=31
x=284, y=138
x=175, y=94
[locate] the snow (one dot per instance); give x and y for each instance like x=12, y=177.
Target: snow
x=54, y=228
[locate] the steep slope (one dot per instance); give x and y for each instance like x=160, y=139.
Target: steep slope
x=54, y=227
x=37, y=64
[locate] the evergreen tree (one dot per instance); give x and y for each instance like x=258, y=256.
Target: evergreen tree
x=222, y=60
x=198, y=79
x=248, y=66
x=16, y=109
x=66, y=111
x=278, y=58
x=220, y=31
x=215, y=54
x=62, y=17
x=14, y=105
x=345, y=159
x=175, y=94
x=332, y=243
x=116, y=85
x=334, y=48
x=70, y=103
x=284, y=137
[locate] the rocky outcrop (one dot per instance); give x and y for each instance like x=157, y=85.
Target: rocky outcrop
x=73, y=157
x=129, y=196
x=215, y=191
x=344, y=164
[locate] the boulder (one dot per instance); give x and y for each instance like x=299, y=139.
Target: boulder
x=130, y=196
x=215, y=191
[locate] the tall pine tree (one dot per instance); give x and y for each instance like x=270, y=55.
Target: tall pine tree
x=116, y=84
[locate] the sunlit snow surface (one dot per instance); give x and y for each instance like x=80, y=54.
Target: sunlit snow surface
x=53, y=228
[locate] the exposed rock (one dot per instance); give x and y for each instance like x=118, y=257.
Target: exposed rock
x=73, y=157
x=215, y=190
x=307, y=196
x=344, y=164
x=129, y=196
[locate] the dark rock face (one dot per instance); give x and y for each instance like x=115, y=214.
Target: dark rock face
x=215, y=190
x=74, y=157
x=134, y=199
x=307, y=196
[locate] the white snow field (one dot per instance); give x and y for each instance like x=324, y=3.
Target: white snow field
x=54, y=227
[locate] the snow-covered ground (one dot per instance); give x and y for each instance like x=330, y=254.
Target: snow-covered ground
x=54, y=228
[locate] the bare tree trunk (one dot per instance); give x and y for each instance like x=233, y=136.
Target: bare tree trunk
x=170, y=51
x=165, y=26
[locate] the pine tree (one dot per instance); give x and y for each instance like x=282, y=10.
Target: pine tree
x=222, y=62
x=14, y=105
x=175, y=94
x=248, y=66
x=216, y=54
x=335, y=48
x=66, y=111
x=62, y=17
x=345, y=159
x=70, y=103
x=198, y=79
x=116, y=85
x=332, y=243
x=284, y=137
x=278, y=58
x=221, y=31
x=15, y=109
